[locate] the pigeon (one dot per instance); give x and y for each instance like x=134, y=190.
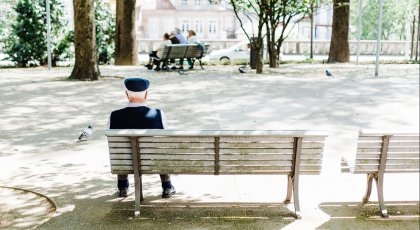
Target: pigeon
x=242, y=69
x=86, y=133
x=328, y=73
x=182, y=72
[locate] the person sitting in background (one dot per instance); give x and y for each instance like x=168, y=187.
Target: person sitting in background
x=154, y=56
x=174, y=40
x=191, y=39
x=182, y=40
x=180, y=37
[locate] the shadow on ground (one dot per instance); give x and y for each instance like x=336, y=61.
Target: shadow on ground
x=109, y=212
x=351, y=215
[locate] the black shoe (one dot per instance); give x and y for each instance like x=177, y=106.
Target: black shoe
x=173, y=68
x=190, y=67
x=167, y=193
x=181, y=68
x=122, y=192
x=157, y=69
x=165, y=67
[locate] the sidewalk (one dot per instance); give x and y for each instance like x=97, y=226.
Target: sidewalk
x=43, y=113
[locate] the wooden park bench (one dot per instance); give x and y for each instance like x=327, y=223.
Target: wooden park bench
x=216, y=152
x=184, y=51
x=380, y=152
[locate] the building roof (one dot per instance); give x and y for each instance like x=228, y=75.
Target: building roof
x=164, y=5
x=156, y=5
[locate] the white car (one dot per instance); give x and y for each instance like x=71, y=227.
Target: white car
x=239, y=51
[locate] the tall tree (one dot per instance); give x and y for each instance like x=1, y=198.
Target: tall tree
x=86, y=63
x=252, y=12
x=125, y=41
x=283, y=14
x=339, y=45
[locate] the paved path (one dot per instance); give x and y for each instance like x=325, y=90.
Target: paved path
x=43, y=114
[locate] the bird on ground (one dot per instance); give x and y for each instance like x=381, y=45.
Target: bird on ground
x=182, y=72
x=328, y=73
x=87, y=132
x=242, y=69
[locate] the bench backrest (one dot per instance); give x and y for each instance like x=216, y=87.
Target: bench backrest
x=177, y=51
x=394, y=151
x=216, y=152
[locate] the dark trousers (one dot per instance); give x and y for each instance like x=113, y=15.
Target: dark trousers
x=123, y=180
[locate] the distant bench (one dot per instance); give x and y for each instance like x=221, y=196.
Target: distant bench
x=216, y=152
x=184, y=51
x=380, y=152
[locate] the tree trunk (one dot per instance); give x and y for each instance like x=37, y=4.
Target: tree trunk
x=339, y=46
x=86, y=63
x=125, y=41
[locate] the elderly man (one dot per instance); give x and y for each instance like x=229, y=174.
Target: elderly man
x=136, y=115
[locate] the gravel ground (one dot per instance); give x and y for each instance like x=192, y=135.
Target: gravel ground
x=43, y=113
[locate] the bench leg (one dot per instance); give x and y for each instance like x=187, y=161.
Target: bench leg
x=293, y=187
x=289, y=189
x=138, y=194
x=379, y=180
x=370, y=178
x=380, y=186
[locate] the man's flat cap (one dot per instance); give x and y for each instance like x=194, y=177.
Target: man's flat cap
x=136, y=84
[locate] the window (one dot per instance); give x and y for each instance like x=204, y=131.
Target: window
x=185, y=25
x=184, y=2
x=197, y=2
x=199, y=26
x=212, y=27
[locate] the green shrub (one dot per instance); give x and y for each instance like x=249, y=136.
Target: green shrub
x=26, y=41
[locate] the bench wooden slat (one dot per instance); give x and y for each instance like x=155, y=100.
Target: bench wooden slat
x=118, y=139
x=269, y=145
x=177, y=162
x=177, y=145
x=227, y=157
x=177, y=156
x=179, y=171
x=255, y=151
x=395, y=144
x=391, y=150
x=119, y=150
x=212, y=133
x=176, y=139
x=176, y=151
x=119, y=145
x=120, y=156
x=393, y=138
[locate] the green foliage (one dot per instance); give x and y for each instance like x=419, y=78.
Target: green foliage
x=105, y=32
x=396, y=14
x=22, y=44
x=26, y=42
